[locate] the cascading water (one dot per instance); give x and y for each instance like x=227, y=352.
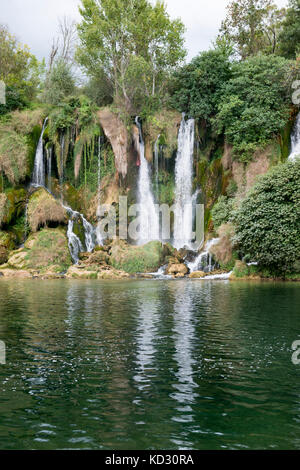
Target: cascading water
x=149, y=216
x=49, y=168
x=183, y=223
x=156, y=155
x=38, y=177
x=204, y=261
x=295, y=140
x=98, y=232
x=89, y=231
x=75, y=245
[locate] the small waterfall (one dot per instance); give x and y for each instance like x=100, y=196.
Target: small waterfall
x=183, y=184
x=89, y=231
x=98, y=233
x=89, y=235
x=75, y=245
x=49, y=167
x=295, y=140
x=38, y=177
x=149, y=217
x=204, y=261
x=61, y=164
x=156, y=155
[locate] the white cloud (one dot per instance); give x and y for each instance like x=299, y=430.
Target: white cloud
x=35, y=21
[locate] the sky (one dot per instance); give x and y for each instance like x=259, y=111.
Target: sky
x=35, y=22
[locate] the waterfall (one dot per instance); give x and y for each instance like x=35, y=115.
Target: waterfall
x=89, y=234
x=149, y=217
x=98, y=232
x=74, y=243
x=295, y=140
x=183, y=223
x=89, y=231
x=204, y=261
x=156, y=155
x=61, y=172
x=49, y=168
x=38, y=177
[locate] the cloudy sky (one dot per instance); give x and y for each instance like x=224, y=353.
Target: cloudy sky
x=35, y=21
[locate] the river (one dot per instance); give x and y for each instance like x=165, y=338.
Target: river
x=144, y=364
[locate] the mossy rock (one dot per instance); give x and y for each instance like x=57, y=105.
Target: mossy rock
x=46, y=248
x=12, y=206
x=7, y=243
x=43, y=210
x=138, y=259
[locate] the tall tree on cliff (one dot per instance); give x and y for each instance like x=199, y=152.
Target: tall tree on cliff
x=290, y=35
x=252, y=26
x=134, y=44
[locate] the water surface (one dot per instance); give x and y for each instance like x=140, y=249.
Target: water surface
x=149, y=365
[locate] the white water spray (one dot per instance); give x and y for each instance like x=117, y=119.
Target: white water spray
x=149, y=217
x=295, y=141
x=38, y=177
x=183, y=223
x=204, y=261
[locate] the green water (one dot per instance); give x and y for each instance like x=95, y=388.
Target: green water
x=149, y=365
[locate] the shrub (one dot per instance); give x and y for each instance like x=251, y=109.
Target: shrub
x=222, y=211
x=267, y=222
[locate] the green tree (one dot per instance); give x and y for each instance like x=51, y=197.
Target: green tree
x=267, y=222
x=19, y=69
x=197, y=87
x=255, y=103
x=130, y=40
x=252, y=26
x=290, y=35
x=59, y=83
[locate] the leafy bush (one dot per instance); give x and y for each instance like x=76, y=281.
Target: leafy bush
x=254, y=105
x=222, y=211
x=268, y=220
x=197, y=86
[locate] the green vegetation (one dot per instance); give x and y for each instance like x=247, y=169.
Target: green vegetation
x=134, y=45
x=267, y=222
x=255, y=104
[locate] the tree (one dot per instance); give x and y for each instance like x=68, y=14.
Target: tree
x=255, y=103
x=19, y=69
x=60, y=80
x=252, y=26
x=289, y=38
x=267, y=222
x=196, y=87
x=126, y=41
x=60, y=83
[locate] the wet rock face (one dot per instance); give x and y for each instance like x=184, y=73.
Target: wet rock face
x=117, y=134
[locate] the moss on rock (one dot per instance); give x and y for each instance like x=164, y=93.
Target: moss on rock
x=44, y=209
x=138, y=259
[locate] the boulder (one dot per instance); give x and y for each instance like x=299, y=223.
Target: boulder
x=175, y=269
x=46, y=250
x=197, y=275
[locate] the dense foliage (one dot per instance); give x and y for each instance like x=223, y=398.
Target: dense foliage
x=197, y=87
x=252, y=26
x=134, y=45
x=290, y=34
x=255, y=103
x=268, y=219
x=19, y=70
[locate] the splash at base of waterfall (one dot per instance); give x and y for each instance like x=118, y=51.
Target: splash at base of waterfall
x=204, y=261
